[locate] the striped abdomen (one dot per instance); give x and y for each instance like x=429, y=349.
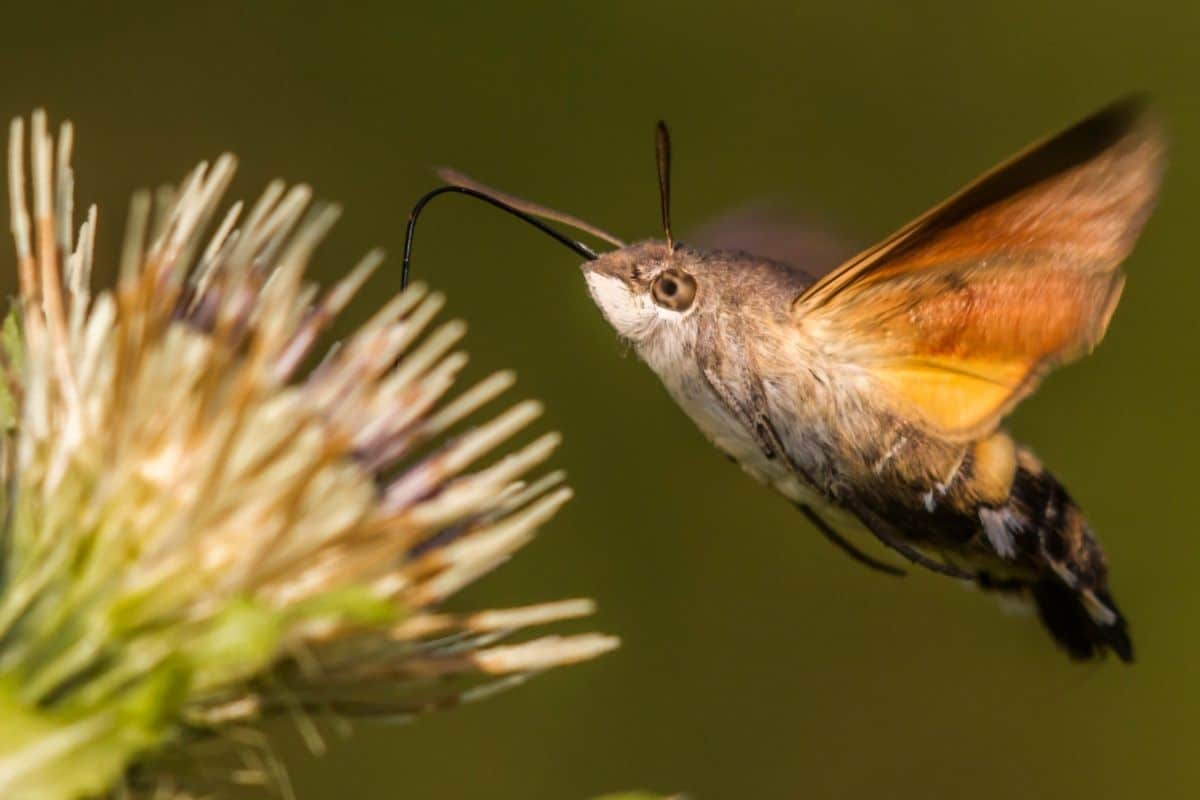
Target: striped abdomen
x=1039, y=523
x=1019, y=530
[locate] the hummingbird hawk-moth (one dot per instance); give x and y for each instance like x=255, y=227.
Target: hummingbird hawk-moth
x=872, y=396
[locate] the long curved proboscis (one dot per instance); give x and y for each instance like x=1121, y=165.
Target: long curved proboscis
x=453, y=177
x=579, y=248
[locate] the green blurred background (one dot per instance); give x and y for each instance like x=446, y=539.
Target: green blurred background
x=758, y=662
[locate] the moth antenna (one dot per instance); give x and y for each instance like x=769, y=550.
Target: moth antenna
x=662, y=148
x=579, y=248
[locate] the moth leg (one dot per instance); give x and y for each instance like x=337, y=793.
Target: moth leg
x=754, y=418
x=771, y=444
x=879, y=528
x=845, y=545
x=758, y=422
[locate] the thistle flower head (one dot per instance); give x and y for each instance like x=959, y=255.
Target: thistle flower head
x=205, y=519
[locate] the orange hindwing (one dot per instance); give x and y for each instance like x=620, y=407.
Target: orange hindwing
x=959, y=314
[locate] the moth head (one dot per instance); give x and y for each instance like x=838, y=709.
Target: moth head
x=646, y=289
x=650, y=287
x=642, y=289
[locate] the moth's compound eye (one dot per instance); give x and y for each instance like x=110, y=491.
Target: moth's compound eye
x=674, y=290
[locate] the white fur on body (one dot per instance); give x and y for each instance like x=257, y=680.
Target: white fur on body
x=668, y=347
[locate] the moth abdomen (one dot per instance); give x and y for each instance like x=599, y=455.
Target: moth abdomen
x=998, y=514
x=1040, y=529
